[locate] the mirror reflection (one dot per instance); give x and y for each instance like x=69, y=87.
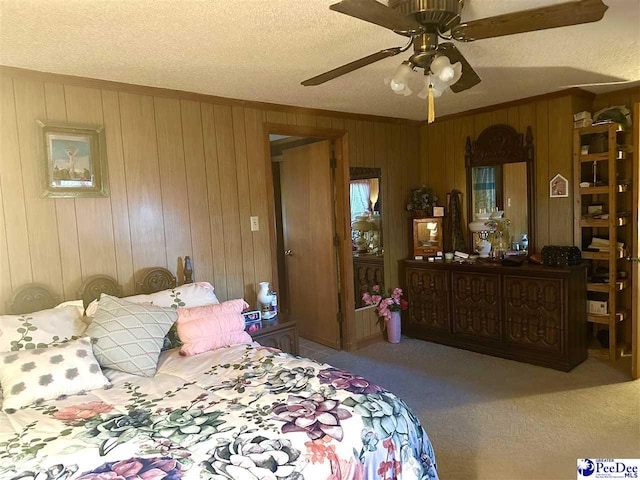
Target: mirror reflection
x=500, y=185
x=501, y=192
x=366, y=229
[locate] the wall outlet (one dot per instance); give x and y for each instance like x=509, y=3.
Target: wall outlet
x=255, y=224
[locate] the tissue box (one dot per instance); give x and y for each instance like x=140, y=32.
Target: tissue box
x=582, y=116
x=597, y=307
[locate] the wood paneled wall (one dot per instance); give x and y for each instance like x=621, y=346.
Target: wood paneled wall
x=185, y=175
x=443, y=149
x=379, y=145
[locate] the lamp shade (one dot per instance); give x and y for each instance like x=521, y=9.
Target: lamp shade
x=400, y=80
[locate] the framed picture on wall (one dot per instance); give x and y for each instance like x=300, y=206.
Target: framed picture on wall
x=74, y=159
x=558, y=187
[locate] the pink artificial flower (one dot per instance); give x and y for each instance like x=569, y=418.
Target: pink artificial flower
x=376, y=288
x=397, y=291
x=366, y=298
x=375, y=299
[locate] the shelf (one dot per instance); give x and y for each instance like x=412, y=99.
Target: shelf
x=600, y=255
x=604, y=190
x=591, y=129
x=621, y=221
x=604, y=319
x=604, y=287
x=601, y=157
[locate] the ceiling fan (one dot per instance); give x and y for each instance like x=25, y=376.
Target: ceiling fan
x=425, y=22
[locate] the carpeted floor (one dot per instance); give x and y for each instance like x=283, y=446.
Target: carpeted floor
x=490, y=418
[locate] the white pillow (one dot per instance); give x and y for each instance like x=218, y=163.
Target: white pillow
x=40, y=329
x=185, y=296
x=30, y=376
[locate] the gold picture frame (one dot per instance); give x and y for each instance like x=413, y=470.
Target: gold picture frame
x=74, y=160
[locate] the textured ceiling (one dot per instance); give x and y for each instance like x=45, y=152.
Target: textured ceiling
x=262, y=49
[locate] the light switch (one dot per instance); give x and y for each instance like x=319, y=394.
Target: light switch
x=255, y=225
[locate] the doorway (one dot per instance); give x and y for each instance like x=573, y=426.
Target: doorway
x=308, y=233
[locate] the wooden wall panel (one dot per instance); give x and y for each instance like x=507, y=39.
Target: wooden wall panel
x=65, y=207
x=42, y=228
x=118, y=190
x=5, y=272
x=173, y=180
x=244, y=204
x=541, y=145
x=15, y=217
x=215, y=203
x=184, y=178
x=146, y=218
x=560, y=161
x=259, y=183
x=196, y=189
x=229, y=198
x=84, y=105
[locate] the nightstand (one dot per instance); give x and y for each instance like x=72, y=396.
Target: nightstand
x=279, y=332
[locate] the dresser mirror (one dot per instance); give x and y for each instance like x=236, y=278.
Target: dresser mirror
x=366, y=229
x=500, y=182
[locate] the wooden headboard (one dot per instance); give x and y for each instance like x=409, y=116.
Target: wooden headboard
x=34, y=296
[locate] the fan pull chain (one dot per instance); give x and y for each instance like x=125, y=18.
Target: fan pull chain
x=432, y=111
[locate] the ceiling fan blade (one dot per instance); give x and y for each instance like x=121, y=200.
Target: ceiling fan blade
x=469, y=76
x=375, y=12
x=351, y=66
x=561, y=15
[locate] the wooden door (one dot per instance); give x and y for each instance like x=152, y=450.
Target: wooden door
x=308, y=224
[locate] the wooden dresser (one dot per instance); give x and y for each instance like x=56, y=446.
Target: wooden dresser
x=368, y=270
x=530, y=313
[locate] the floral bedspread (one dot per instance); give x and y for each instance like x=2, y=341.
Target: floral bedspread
x=242, y=412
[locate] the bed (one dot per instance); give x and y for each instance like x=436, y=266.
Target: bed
x=237, y=412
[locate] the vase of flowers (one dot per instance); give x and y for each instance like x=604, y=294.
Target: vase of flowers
x=388, y=308
x=421, y=202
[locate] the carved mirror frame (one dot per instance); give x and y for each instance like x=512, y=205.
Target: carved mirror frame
x=498, y=145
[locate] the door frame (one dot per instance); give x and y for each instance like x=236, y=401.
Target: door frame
x=342, y=227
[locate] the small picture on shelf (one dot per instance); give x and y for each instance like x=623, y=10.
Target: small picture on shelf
x=558, y=187
x=252, y=316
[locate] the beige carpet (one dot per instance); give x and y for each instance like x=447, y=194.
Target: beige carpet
x=490, y=418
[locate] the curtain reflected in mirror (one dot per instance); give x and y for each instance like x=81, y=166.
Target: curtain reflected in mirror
x=484, y=189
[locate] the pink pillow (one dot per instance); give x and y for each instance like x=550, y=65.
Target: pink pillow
x=212, y=326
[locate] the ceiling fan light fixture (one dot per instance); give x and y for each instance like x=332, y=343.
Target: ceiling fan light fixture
x=400, y=80
x=444, y=70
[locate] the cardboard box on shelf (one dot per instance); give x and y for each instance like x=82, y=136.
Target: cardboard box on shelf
x=598, y=307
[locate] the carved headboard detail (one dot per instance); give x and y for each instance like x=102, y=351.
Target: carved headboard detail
x=95, y=286
x=31, y=298
x=154, y=280
x=34, y=296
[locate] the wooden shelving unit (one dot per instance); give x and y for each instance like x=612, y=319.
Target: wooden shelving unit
x=609, y=163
